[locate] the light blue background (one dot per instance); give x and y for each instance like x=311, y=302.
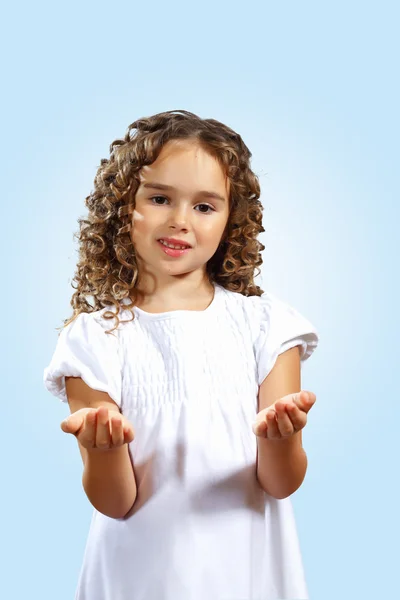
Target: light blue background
x=312, y=87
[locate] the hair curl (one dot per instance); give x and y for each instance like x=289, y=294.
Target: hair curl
x=107, y=270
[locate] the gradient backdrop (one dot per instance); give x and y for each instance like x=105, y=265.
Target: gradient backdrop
x=313, y=88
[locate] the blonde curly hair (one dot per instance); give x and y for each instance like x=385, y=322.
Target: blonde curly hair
x=107, y=270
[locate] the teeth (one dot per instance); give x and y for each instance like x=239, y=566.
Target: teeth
x=172, y=246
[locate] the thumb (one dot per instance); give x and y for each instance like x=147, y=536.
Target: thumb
x=73, y=423
x=304, y=399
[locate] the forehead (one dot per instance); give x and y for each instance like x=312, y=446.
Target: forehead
x=186, y=165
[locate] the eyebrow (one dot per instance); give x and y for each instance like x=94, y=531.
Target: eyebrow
x=164, y=187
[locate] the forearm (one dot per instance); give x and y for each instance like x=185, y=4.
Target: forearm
x=109, y=481
x=281, y=465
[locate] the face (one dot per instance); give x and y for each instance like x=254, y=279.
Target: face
x=183, y=195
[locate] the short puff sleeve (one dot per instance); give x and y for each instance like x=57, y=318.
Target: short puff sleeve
x=281, y=327
x=85, y=350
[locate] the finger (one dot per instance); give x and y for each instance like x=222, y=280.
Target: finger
x=311, y=399
x=297, y=416
x=87, y=434
x=260, y=427
x=272, y=425
x=103, y=437
x=285, y=425
x=72, y=423
x=304, y=400
x=129, y=434
x=117, y=431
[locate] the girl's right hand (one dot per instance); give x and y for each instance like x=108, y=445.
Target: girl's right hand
x=99, y=428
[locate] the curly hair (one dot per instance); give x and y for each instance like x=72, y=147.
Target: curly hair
x=107, y=270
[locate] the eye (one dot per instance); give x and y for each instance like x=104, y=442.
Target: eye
x=208, y=207
x=156, y=198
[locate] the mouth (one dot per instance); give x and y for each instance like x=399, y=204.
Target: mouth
x=174, y=243
x=175, y=250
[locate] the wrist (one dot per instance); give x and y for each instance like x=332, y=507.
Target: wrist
x=289, y=443
x=95, y=454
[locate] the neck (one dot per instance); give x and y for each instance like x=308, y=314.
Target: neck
x=182, y=292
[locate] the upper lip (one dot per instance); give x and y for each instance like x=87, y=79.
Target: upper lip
x=175, y=241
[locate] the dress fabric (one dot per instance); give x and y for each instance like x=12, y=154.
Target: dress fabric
x=201, y=527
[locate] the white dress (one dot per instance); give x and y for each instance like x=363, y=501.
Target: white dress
x=201, y=528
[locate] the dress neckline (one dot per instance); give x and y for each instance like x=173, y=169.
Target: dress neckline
x=173, y=314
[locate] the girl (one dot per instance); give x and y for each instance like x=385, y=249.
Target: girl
x=183, y=376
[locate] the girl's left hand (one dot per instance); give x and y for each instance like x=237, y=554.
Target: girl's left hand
x=285, y=417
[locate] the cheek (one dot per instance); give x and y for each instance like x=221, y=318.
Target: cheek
x=137, y=216
x=141, y=224
x=138, y=227
x=212, y=230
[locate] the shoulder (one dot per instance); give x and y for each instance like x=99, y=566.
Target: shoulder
x=246, y=303
x=87, y=325
x=87, y=338
x=85, y=350
x=254, y=309
x=262, y=309
x=268, y=314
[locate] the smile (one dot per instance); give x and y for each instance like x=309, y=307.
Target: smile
x=174, y=246
x=172, y=249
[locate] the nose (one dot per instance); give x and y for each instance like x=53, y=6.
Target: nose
x=179, y=217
